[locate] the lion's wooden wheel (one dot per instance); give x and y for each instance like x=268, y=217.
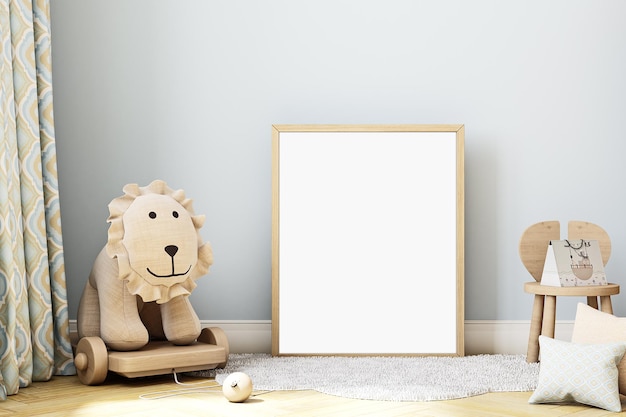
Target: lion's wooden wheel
x=215, y=336
x=91, y=360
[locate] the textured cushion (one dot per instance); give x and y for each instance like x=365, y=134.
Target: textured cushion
x=593, y=326
x=586, y=374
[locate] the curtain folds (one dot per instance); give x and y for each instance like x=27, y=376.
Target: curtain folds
x=34, y=324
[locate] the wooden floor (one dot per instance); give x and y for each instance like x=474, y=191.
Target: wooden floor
x=118, y=396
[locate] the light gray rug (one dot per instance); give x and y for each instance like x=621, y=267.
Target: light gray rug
x=386, y=378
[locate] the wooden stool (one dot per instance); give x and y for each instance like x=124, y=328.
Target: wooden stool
x=544, y=308
x=532, y=249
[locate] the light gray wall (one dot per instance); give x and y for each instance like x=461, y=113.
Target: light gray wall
x=187, y=91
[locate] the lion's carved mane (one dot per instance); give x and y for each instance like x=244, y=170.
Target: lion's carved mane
x=119, y=245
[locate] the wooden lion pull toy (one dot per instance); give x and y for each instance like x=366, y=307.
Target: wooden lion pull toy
x=135, y=317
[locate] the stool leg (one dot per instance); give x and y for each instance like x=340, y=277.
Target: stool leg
x=605, y=304
x=532, y=354
x=549, y=316
x=592, y=302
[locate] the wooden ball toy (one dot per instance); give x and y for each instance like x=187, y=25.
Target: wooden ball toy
x=237, y=387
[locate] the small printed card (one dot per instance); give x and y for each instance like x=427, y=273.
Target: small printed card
x=573, y=263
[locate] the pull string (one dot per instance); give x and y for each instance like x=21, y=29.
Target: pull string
x=213, y=388
x=193, y=383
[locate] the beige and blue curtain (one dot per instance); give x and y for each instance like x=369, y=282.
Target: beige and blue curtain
x=34, y=334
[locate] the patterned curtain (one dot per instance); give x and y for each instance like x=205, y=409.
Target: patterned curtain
x=34, y=332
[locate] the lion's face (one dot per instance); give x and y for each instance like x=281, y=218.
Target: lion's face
x=154, y=236
x=160, y=239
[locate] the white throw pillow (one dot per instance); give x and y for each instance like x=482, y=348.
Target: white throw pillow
x=586, y=374
x=592, y=326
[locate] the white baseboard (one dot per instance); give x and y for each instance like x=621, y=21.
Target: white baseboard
x=505, y=337
x=244, y=336
x=481, y=336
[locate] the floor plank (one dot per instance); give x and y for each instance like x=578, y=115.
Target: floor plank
x=118, y=396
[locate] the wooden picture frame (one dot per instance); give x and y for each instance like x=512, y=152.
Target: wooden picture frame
x=367, y=240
